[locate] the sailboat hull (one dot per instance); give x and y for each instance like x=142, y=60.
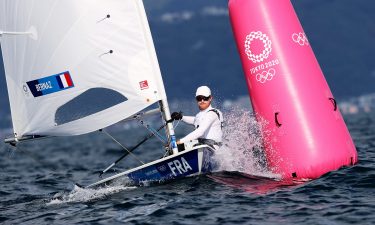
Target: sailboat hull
x=190, y=163
x=198, y=160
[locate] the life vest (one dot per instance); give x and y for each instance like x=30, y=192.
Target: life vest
x=218, y=115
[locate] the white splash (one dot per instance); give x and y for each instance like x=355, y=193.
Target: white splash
x=242, y=149
x=79, y=194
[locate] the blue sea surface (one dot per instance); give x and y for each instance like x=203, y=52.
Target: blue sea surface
x=37, y=186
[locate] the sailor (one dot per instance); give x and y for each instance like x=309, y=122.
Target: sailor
x=208, y=122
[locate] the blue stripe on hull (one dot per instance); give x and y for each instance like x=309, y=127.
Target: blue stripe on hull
x=179, y=166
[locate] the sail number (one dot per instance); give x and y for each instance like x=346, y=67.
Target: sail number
x=179, y=166
x=43, y=86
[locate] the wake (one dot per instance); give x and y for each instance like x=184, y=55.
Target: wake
x=80, y=194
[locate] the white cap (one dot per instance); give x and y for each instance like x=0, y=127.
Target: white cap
x=204, y=91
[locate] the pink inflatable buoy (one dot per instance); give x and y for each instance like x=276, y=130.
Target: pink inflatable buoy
x=304, y=133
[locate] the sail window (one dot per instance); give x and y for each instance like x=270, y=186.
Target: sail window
x=89, y=102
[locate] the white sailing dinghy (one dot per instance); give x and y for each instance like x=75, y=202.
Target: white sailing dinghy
x=78, y=66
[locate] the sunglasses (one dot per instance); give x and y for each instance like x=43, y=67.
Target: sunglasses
x=201, y=97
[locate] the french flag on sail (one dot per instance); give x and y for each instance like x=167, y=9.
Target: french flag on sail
x=64, y=80
x=51, y=84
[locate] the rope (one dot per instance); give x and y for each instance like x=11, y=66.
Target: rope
x=178, y=122
x=157, y=135
x=153, y=131
x=123, y=147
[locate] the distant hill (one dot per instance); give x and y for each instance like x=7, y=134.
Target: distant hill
x=195, y=46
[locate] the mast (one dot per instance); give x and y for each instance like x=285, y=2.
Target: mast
x=164, y=108
x=163, y=103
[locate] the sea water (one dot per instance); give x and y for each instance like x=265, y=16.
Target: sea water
x=38, y=183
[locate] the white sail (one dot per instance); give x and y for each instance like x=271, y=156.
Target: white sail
x=75, y=66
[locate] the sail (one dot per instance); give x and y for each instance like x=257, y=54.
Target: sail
x=75, y=66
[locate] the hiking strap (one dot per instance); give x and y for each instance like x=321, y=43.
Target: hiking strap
x=209, y=142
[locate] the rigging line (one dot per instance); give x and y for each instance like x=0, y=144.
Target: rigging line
x=132, y=149
x=122, y=146
x=178, y=122
x=159, y=136
x=166, y=153
x=154, y=132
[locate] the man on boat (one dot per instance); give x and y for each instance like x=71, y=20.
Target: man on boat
x=208, y=122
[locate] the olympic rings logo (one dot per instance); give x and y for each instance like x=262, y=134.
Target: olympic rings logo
x=162, y=168
x=266, y=43
x=266, y=75
x=300, y=38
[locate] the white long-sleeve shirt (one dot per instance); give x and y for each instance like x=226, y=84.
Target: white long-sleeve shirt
x=207, y=125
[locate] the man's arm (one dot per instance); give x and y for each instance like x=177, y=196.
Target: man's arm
x=203, y=127
x=188, y=119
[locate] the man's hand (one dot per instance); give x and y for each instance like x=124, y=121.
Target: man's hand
x=176, y=115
